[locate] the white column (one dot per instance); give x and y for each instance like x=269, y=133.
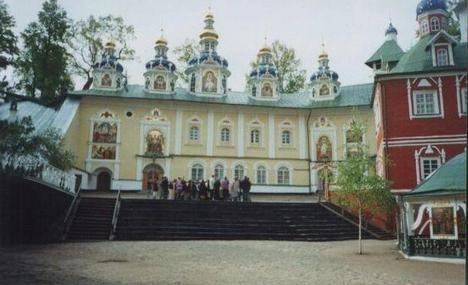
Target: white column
x=302, y=137
x=178, y=132
x=441, y=96
x=271, y=136
x=209, y=133
x=240, y=134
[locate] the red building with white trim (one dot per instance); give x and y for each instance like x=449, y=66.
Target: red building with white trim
x=420, y=98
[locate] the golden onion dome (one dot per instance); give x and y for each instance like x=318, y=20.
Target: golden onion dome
x=161, y=41
x=209, y=33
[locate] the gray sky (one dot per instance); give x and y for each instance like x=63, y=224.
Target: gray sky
x=352, y=30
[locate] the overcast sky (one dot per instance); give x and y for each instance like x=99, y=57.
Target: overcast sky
x=352, y=30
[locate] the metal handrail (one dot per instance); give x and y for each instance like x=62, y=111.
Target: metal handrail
x=72, y=205
x=115, y=214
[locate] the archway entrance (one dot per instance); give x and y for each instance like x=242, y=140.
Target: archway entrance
x=151, y=174
x=103, y=181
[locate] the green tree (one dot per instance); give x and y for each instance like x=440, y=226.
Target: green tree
x=359, y=188
x=8, y=47
x=20, y=139
x=43, y=62
x=291, y=76
x=87, y=43
x=183, y=54
x=453, y=25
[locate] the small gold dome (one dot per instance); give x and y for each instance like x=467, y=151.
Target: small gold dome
x=209, y=33
x=161, y=41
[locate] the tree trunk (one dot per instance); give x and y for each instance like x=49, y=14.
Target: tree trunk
x=88, y=83
x=360, y=231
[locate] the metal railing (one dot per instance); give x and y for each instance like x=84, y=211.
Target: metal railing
x=70, y=213
x=115, y=215
x=423, y=246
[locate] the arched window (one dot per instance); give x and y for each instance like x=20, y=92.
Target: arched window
x=225, y=135
x=106, y=80
x=261, y=175
x=219, y=171
x=147, y=82
x=424, y=27
x=197, y=172
x=192, y=83
x=194, y=133
x=254, y=91
x=224, y=84
x=283, y=175
x=255, y=136
x=442, y=57
x=435, y=24
x=239, y=171
x=286, y=137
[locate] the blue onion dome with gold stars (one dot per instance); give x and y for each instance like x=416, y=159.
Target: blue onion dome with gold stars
x=208, y=44
x=429, y=5
x=160, y=59
x=324, y=71
x=391, y=30
x=265, y=63
x=109, y=60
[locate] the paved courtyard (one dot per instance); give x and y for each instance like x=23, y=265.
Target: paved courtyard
x=219, y=262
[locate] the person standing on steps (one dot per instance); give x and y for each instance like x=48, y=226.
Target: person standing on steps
x=216, y=187
x=210, y=188
x=246, y=189
x=202, y=190
x=234, y=190
x=172, y=190
x=165, y=188
x=225, y=189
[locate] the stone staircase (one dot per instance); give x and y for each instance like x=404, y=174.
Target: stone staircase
x=141, y=219
x=92, y=220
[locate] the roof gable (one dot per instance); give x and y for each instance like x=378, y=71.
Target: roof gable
x=389, y=51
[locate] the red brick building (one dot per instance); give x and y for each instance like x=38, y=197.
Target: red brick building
x=420, y=98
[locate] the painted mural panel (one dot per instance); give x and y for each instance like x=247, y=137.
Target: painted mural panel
x=324, y=149
x=209, y=82
x=160, y=83
x=105, y=132
x=103, y=152
x=267, y=91
x=442, y=221
x=155, y=142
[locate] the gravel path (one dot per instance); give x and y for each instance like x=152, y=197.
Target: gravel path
x=219, y=262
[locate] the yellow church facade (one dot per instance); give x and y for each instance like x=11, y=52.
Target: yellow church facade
x=124, y=135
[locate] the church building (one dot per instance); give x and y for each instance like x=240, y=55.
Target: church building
x=124, y=134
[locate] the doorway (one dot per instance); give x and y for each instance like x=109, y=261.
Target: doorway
x=103, y=181
x=151, y=174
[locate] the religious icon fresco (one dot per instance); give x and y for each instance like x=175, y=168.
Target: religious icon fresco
x=209, y=82
x=442, y=221
x=105, y=132
x=266, y=90
x=155, y=142
x=324, y=150
x=106, y=80
x=324, y=90
x=160, y=83
x=103, y=152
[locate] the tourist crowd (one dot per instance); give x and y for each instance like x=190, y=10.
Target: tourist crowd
x=210, y=189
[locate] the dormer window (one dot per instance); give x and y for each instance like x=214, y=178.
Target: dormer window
x=442, y=56
x=435, y=24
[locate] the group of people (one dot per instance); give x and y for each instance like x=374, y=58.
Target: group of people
x=211, y=189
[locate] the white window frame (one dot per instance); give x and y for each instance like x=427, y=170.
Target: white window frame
x=255, y=135
x=283, y=176
x=442, y=59
x=199, y=170
x=435, y=24
x=286, y=137
x=261, y=170
x=219, y=168
x=239, y=171
x=194, y=134
x=435, y=96
x=225, y=135
x=428, y=158
x=424, y=27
